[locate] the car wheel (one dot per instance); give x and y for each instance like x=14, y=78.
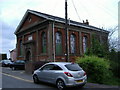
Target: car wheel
x=13, y=68
x=81, y=86
x=3, y=65
x=35, y=79
x=60, y=85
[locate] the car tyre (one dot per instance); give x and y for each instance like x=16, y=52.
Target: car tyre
x=13, y=68
x=35, y=79
x=81, y=86
x=60, y=85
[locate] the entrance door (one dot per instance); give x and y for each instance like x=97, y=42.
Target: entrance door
x=28, y=56
x=29, y=64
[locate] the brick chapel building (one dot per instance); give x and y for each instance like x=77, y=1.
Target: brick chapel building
x=41, y=37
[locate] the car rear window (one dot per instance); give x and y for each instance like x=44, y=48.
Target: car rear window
x=73, y=67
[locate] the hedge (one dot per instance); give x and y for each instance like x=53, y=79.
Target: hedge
x=96, y=68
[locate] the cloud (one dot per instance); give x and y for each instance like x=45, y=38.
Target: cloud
x=0, y=38
x=7, y=39
x=97, y=11
x=100, y=13
x=7, y=30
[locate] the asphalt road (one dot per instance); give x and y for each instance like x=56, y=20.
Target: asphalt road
x=13, y=79
x=20, y=80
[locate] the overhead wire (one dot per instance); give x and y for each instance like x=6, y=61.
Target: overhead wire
x=76, y=10
x=105, y=9
x=88, y=13
x=101, y=6
x=54, y=7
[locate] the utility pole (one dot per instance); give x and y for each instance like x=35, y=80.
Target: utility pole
x=66, y=30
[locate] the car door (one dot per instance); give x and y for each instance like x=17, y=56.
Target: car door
x=45, y=73
x=54, y=73
x=16, y=64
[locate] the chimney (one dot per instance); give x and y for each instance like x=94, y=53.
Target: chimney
x=83, y=21
x=87, y=22
x=69, y=21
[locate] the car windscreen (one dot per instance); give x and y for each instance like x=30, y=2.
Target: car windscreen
x=73, y=67
x=20, y=62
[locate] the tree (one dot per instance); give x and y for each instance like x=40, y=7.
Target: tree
x=114, y=53
x=113, y=39
x=97, y=48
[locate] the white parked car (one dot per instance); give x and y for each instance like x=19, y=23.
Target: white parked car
x=62, y=74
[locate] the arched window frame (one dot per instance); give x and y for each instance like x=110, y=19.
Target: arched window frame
x=21, y=48
x=72, y=43
x=58, y=42
x=85, y=43
x=43, y=42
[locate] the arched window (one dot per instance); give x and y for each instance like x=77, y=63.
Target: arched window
x=85, y=42
x=72, y=43
x=44, y=42
x=58, y=42
x=21, y=48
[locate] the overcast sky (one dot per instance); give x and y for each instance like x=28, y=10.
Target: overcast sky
x=100, y=13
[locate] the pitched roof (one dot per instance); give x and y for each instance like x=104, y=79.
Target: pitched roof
x=58, y=19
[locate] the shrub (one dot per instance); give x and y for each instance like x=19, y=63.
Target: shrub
x=114, y=58
x=97, y=48
x=96, y=68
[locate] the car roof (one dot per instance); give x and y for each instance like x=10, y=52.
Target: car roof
x=60, y=63
x=20, y=61
x=6, y=60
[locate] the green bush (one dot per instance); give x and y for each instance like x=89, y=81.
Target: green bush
x=114, y=58
x=97, y=48
x=97, y=69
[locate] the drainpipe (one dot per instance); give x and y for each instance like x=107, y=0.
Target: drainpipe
x=53, y=41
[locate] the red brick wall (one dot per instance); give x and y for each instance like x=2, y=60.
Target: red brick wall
x=18, y=47
x=60, y=58
x=24, y=40
x=34, y=19
x=30, y=34
x=42, y=58
x=71, y=57
x=39, y=56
